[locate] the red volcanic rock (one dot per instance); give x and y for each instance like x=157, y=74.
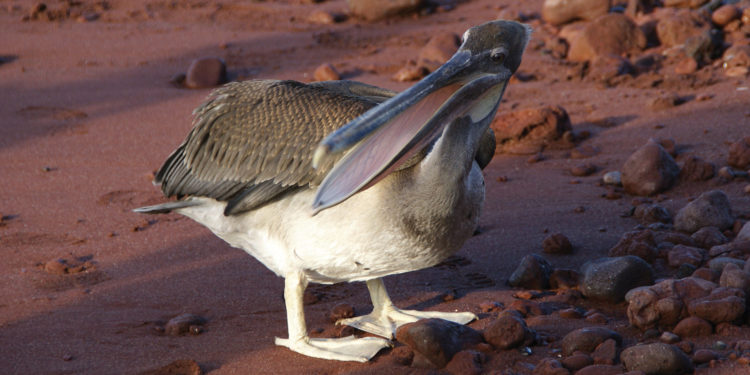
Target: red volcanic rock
x=181, y=366
x=697, y=169
x=739, y=153
x=652, y=213
x=670, y=310
x=532, y=273
x=466, y=362
x=722, y=305
x=684, y=3
x=558, y=12
x=675, y=29
x=557, y=243
x=561, y=278
x=738, y=55
x=710, y=209
x=606, y=353
x=734, y=277
x=508, y=331
x=587, y=339
x=577, y=361
x=725, y=14
x=527, y=131
x=682, y=254
x=206, y=72
x=374, y=10
x=600, y=369
x=658, y=358
x=704, y=356
x=649, y=170
x=410, y=72
x=665, y=101
x=638, y=243
x=436, y=341
x=613, y=34
x=550, y=366
x=326, y=72
x=438, y=50
x=693, y=326
x=182, y=324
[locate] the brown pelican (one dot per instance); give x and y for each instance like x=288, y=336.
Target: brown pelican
x=342, y=181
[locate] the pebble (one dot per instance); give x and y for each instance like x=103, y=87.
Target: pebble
x=657, y=358
x=508, y=331
x=704, y=356
x=561, y=278
x=606, y=353
x=669, y=337
x=735, y=277
x=685, y=66
x=665, y=101
x=600, y=370
x=638, y=243
x=611, y=34
x=582, y=170
x=466, y=362
x=725, y=14
x=528, y=131
x=576, y=362
x=571, y=313
x=325, y=18
x=709, y=209
x=558, y=12
x=674, y=30
x=410, y=72
x=326, y=72
x=206, y=72
x=402, y=355
x=718, y=264
x=375, y=10
x=609, y=279
x=652, y=213
x=587, y=339
x=708, y=237
x=183, y=324
x=596, y=318
x=180, y=366
x=722, y=305
x=435, y=341
x=557, y=243
x=532, y=273
x=649, y=170
x=739, y=154
x=612, y=178
x=681, y=254
x=438, y=50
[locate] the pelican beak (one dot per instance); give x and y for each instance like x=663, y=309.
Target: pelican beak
x=384, y=137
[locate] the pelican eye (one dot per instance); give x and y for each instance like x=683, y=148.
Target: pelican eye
x=497, y=56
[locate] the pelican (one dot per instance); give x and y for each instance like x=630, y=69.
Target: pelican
x=341, y=181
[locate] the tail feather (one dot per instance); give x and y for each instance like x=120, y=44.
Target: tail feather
x=165, y=208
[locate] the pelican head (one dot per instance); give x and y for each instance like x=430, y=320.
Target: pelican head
x=471, y=83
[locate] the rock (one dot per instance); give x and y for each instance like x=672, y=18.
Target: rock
x=549, y=366
x=507, y=332
x=324, y=18
x=558, y=12
x=611, y=34
x=722, y=305
x=638, y=243
x=709, y=209
x=56, y=267
x=182, y=324
x=685, y=66
x=582, y=170
x=739, y=154
x=658, y=358
x=606, y=68
x=744, y=233
x=563, y=279
x=735, y=277
x=708, y=237
x=665, y=101
x=649, y=170
x=669, y=338
x=673, y=30
x=577, y=361
x=410, y=72
x=693, y=326
x=206, y=72
x=718, y=264
x=704, y=47
x=606, y=353
x=466, y=362
x=374, y=10
x=684, y=3
x=438, y=50
x=596, y=318
x=326, y=72
x=532, y=273
x=652, y=213
x=670, y=310
x=609, y=279
x=664, y=303
x=527, y=131
x=181, y=367
x=600, y=370
x=612, y=178
x=557, y=243
x=402, y=355
x=707, y=274
x=587, y=339
x=725, y=14
x=738, y=56
x=681, y=254
x=340, y=311
x=436, y=341
x=704, y=356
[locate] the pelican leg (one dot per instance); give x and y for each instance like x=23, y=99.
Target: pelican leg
x=341, y=349
x=385, y=318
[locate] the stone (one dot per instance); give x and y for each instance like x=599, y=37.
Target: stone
x=466, y=362
x=610, y=34
x=609, y=279
x=561, y=278
x=669, y=338
x=718, y=307
x=657, y=358
x=718, y=264
x=577, y=361
x=684, y=3
x=735, y=277
x=606, y=353
x=710, y=209
x=410, y=72
x=206, y=72
x=507, y=332
x=665, y=101
x=706, y=273
x=549, y=366
x=436, y=341
x=652, y=213
x=375, y=10
x=739, y=153
x=612, y=178
x=681, y=254
x=638, y=243
x=693, y=326
x=697, y=169
x=686, y=66
x=587, y=339
x=558, y=12
x=704, y=356
x=180, y=366
x=649, y=170
x=600, y=370
x=606, y=68
x=532, y=273
x=181, y=324
x=670, y=310
x=438, y=50
x=674, y=30
x=744, y=233
x=725, y=14
x=557, y=243
x=527, y=131
x=324, y=18
x=326, y=72
x=582, y=170
x=708, y=237
x=402, y=355
x=704, y=47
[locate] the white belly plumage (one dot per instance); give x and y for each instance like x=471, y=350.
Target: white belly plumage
x=365, y=237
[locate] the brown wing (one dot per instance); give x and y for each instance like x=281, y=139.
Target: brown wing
x=253, y=141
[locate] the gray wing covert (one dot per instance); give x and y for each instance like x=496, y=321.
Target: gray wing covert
x=253, y=141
